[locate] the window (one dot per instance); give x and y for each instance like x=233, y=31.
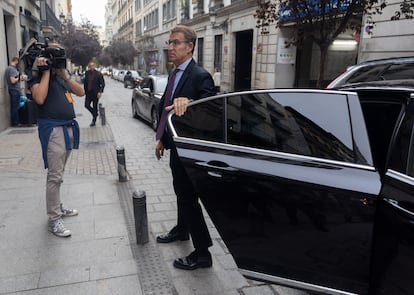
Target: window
x=292, y=123
x=218, y=45
x=399, y=72
x=402, y=157
x=202, y=121
x=285, y=122
x=137, y=5
x=145, y=83
x=151, y=20
x=200, y=48
x=138, y=30
x=168, y=10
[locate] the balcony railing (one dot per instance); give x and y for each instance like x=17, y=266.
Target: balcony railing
x=49, y=20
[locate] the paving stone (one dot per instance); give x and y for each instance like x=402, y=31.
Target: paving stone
x=19, y=282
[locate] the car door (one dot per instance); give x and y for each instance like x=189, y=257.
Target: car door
x=394, y=235
x=148, y=98
x=287, y=179
x=142, y=96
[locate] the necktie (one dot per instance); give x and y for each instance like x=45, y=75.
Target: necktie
x=167, y=99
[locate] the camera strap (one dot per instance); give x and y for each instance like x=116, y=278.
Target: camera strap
x=62, y=83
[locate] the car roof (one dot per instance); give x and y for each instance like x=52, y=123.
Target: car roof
x=385, y=71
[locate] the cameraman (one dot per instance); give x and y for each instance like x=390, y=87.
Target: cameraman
x=58, y=132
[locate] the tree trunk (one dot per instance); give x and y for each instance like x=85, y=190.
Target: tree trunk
x=324, y=55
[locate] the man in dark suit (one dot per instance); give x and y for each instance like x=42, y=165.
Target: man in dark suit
x=187, y=82
x=94, y=85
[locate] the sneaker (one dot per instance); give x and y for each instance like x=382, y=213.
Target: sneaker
x=68, y=212
x=58, y=229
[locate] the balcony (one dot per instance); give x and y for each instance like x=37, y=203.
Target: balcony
x=51, y=26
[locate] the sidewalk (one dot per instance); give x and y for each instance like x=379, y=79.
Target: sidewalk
x=97, y=258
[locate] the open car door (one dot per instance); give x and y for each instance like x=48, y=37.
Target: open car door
x=288, y=180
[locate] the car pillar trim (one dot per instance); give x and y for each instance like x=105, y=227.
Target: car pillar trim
x=400, y=176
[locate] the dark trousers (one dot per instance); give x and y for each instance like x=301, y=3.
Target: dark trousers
x=14, y=106
x=92, y=98
x=190, y=216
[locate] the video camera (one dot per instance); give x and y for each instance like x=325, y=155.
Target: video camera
x=56, y=58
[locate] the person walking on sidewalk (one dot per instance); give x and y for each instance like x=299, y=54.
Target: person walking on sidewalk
x=58, y=133
x=188, y=81
x=13, y=85
x=94, y=85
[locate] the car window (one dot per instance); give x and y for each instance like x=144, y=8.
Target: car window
x=402, y=157
x=145, y=83
x=298, y=123
x=399, y=72
x=202, y=121
x=366, y=74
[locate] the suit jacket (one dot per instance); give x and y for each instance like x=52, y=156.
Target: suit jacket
x=195, y=83
x=98, y=82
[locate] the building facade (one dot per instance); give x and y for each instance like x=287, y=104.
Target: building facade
x=229, y=42
x=23, y=20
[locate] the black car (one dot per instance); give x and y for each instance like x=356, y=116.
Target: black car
x=398, y=68
x=146, y=98
x=309, y=188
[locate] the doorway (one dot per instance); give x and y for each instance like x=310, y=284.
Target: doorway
x=243, y=62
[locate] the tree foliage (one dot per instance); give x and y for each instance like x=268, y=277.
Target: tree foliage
x=121, y=52
x=105, y=58
x=81, y=42
x=321, y=20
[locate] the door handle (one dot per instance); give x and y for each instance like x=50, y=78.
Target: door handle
x=217, y=165
x=397, y=205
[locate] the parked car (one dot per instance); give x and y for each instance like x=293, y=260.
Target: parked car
x=309, y=188
x=146, y=98
x=132, y=79
x=401, y=68
x=120, y=75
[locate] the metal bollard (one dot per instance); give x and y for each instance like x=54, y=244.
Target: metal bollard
x=120, y=156
x=140, y=216
x=100, y=108
x=102, y=114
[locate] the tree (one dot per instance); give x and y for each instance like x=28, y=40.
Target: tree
x=81, y=42
x=105, y=58
x=122, y=52
x=321, y=21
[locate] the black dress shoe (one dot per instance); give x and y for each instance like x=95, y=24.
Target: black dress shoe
x=172, y=237
x=194, y=261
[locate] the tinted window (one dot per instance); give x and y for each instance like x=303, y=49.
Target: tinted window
x=366, y=74
x=402, y=157
x=145, y=83
x=308, y=124
x=311, y=124
x=202, y=121
x=399, y=72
